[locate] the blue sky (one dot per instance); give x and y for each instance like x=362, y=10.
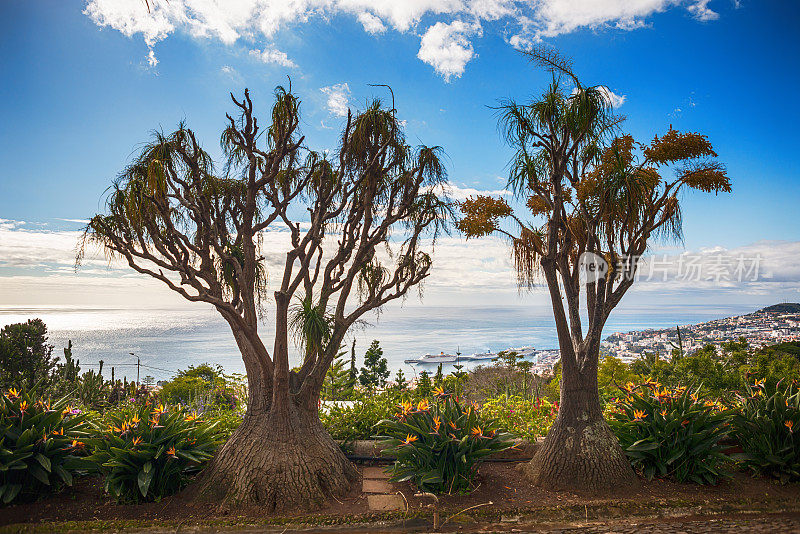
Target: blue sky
x=81, y=89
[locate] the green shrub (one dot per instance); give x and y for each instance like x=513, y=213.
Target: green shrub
x=765, y=430
x=202, y=386
x=149, y=453
x=40, y=443
x=226, y=420
x=672, y=434
x=524, y=418
x=439, y=447
x=349, y=421
x=25, y=355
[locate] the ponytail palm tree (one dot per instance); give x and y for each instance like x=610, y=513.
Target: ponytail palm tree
x=200, y=229
x=596, y=200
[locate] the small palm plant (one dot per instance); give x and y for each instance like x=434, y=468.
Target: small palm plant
x=439, y=447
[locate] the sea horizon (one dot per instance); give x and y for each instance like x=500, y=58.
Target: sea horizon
x=168, y=339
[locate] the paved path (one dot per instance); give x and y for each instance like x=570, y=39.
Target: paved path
x=381, y=494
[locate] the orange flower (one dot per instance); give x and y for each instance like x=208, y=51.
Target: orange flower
x=137, y=440
x=638, y=415
x=12, y=393
x=23, y=406
x=663, y=413
x=662, y=395
x=135, y=419
x=477, y=432
x=191, y=417
x=652, y=384
x=440, y=393
x=629, y=387
x=59, y=432
x=423, y=405
x=789, y=425
x=453, y=425
x=410, y=439
x=77, y=444
x=437, y=421
x=405, y=408
x=171, y=452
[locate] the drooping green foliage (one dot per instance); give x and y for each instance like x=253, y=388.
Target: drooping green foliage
x=312, y=326
x=40, y=444
x=148, y=453
x=768, y=429
x=439, y=447
x=671, y=433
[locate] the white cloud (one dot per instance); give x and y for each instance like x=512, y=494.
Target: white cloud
x=37, y=269
x=614, y=99
x=273, y=56
x=446, y=47
x=338, y=98
x=701, y=12
x=371, y=23
x=456, y=192
x=151, y=58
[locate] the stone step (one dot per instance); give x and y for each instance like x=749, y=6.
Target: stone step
x=376, y=486
x=375, y=473
x=385, y=502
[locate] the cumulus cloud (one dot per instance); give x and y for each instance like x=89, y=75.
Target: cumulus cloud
x=273, y=56
x=446, y=45
x=338, y=99
x=447, y=48
x=371, y=23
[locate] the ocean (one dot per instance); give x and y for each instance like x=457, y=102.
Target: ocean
x=167, y=340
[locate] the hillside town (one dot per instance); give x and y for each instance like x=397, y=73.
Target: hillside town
x=768, y=326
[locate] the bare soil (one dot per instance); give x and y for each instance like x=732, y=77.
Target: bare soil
x=513, y=499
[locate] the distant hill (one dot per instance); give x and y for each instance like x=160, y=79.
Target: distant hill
x=786, y=307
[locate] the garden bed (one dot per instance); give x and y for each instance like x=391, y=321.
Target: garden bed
x=513, y=498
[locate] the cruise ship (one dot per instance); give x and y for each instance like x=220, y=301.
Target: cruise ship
x=434, y=358
x=485, y=357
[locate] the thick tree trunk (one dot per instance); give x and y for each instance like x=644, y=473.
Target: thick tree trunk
x=278, y=462
x=280, y=457
x=581, y=453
